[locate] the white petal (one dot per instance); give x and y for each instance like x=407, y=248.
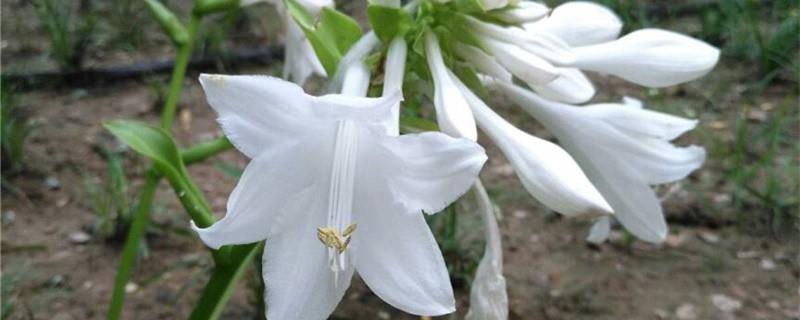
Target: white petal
x=452, y=111
x=525, y=11
x=642, y=122
x=546, y=171
x=356, y=80
x=357, y=53
x=256, y=112
x=600, y=230
x=493, y=4
x=300, y=60
x=523, y=64
x=394, y=71
x=428, y=171
x=571, y=86
x=580, y=23
x=618, y=159
x=398, y=257
x=650, y=57
x=550, y=48
x=488, y=298
x=483, y=62
x=542, y=45
x=258, y=202
x=299, y=283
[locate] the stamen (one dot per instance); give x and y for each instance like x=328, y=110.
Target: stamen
x=337, y=235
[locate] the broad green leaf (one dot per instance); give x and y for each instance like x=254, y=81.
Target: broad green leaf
x=416, y=125
x=388, y=22
x=150, y=141
x=338, y=29
x=157, y=145
x=330, y=37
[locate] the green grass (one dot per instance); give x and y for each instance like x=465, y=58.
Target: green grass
x=69, y=29
x=109, y=199
x=15, y=128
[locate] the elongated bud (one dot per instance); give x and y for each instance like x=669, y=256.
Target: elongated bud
x=394, y=71
x=203, y=7
x=168, y=21
x=452, y=111
x=524, y=12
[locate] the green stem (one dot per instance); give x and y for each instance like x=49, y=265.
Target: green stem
x=222, y=282
x=131, y=249
x=205, y=150
x=178, y=73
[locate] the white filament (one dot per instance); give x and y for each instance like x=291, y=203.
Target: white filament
x=340, y=196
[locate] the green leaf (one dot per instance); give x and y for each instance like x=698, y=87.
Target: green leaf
x=330, y=37
x=222, y=283
x=168, y=22
x=338, y=30
x=410, y=124
x=152, y=142
x=388, y=22
x=157, y=145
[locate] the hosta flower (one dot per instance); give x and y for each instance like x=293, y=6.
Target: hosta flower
x=549, y=54
x=299, y=59
x=333, y=193
x=623, y=149
x=612, y=153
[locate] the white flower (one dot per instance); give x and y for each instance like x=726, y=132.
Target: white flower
x=332, y=193
x=579, y=23
x=623, y=149
x=546, y=171
x=523, y=12
x=487, y=297
x=452, y=111
x=550, y=54
x=299, y=59
x=650, y=57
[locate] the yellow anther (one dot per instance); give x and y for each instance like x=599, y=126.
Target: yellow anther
x=331, y=238
x=349, y=230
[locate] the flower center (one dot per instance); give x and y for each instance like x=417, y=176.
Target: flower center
x=337, y=234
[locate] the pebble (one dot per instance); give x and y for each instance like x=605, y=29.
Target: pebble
x=725, y=303
x=52, y=183
x=661, y=313
x=686, y=311
x=131, y=287
x=767, y=264
x=9, y=217
x=79, y=237
x=383, y=315
x=57, y=280
x=774, y=304
x=709, y=237
x=520, y=214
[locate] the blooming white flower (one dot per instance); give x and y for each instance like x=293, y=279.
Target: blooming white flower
x=299, y=59
x=332, y=193
x=623, y=149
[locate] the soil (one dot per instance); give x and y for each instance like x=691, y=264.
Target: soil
x=550, y=270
